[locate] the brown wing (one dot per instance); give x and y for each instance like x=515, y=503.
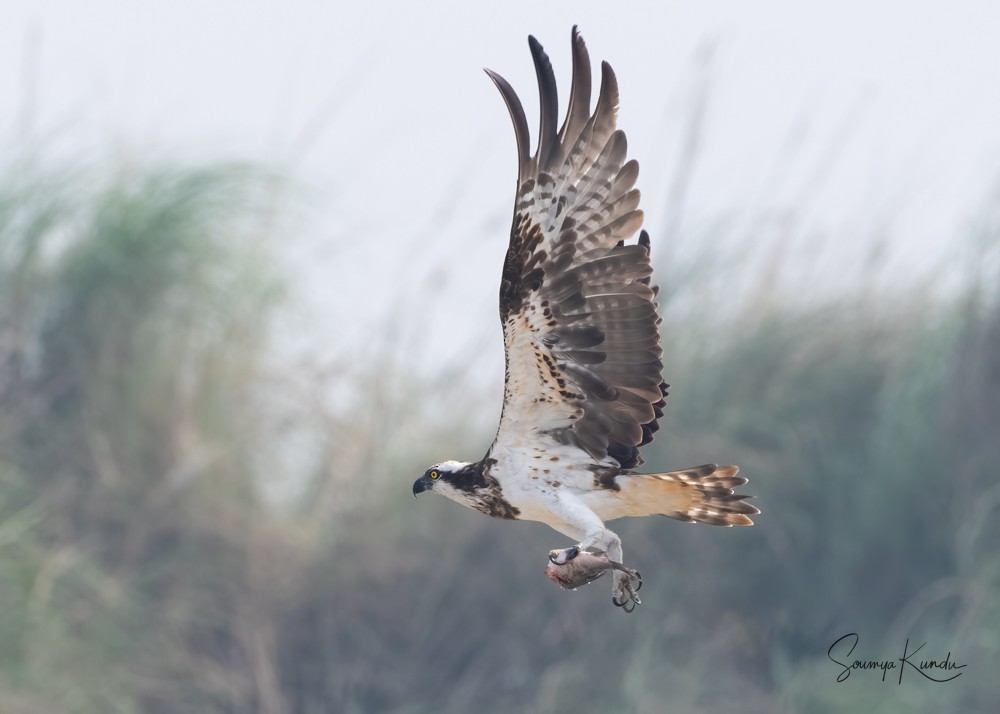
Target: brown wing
x=578, y=314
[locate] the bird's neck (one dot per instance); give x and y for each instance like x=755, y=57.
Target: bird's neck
x=473, y=486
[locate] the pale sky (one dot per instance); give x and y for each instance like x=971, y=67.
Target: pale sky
x=838, y=123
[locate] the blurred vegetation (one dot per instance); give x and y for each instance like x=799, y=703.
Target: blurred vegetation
x=148, y=562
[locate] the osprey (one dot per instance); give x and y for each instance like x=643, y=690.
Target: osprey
x=583, y=389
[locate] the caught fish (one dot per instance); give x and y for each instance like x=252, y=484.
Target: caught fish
x=571, y=567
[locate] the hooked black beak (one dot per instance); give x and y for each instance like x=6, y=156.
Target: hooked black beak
x=419, y=486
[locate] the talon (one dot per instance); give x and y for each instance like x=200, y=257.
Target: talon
x=614, y=601
x=561, y=557
x=638, y=584
x=633, y=594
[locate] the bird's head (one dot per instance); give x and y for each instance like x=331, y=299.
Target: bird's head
x=442, y=478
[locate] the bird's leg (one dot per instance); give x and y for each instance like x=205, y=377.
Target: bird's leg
x=576, y=519
x=626, y=584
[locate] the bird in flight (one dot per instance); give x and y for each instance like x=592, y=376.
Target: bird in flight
x=583, y=389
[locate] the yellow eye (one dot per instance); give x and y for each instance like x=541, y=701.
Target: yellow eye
x=434, y=474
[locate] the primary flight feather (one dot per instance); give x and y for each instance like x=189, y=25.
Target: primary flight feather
x=583, y=389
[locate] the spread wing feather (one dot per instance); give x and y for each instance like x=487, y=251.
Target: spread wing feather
x=578, y=314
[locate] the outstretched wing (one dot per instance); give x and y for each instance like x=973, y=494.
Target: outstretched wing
x=579, y=317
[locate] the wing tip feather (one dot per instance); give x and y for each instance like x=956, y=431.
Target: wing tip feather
x=548, y=100
x=517, y=117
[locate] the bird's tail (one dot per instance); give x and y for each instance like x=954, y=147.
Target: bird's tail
x=702, y=494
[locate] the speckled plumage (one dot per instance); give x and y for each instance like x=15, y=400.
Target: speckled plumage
x=583, y=384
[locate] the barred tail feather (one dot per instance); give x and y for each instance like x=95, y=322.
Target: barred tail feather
x=703, y=494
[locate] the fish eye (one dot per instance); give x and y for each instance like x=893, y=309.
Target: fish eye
x=434, y=474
